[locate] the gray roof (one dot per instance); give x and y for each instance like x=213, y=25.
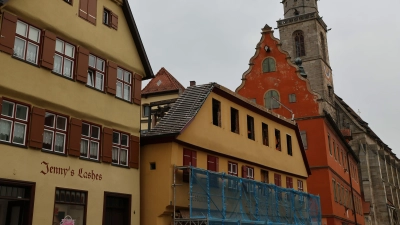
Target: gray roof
x=183, y=111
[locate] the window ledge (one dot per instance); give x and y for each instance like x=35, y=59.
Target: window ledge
x=15, y=145
x=117, y=165
x=124, y=100
x=65, y=77
x=54, y=153
x=22, y=60
x=91, y=160
x=95, y=89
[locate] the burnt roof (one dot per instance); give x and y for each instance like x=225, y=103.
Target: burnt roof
x=163, y=82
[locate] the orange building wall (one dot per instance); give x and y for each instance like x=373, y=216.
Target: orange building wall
x=286, y=80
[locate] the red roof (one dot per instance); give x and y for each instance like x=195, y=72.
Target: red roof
x=163, y=82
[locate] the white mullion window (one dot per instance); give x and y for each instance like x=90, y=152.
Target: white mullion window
x=124, y=84
x=27, y=42
x=13, y=122
x=90, y=141
x=250, y=173
x=120, y=148
x=96, y=72
x=55, y=133
x=64, y=58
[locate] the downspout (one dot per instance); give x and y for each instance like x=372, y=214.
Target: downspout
x=351, y=186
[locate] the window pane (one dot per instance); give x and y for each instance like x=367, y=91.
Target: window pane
x=116, y=138
x=61, y=123
x=19, y=48
x=99, y=81
x=76, y=212
x=31, y=54
x=124, y=140
x=21, y=112
x=127, y=77
x=60, y=46
x=47, y=140
x=34, y=34
x=92, y=61
x=5, y=130
x=123, y=157
x=100, y=64
x=57, y=64
x=7, y=109
x=21, y=28
x=90, y=78
x=69, y=50
x=19, y=133
x=68, y=68
x=94, y=148
x=85, y=129
x=127, y=92
x=119, y=90
x=119, y=73
x=95, y=132
x=115, y=155
x=59, y=143
x=84, y=147
x=49, y=120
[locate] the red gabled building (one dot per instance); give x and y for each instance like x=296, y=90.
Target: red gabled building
x=274, y=81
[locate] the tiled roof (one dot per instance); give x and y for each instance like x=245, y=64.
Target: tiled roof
x=190, y=102
x=163, y=82
x=184, y=110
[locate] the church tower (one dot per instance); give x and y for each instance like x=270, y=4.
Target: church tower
x=303, y=34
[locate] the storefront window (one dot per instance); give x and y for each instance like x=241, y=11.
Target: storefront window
x=70, y=204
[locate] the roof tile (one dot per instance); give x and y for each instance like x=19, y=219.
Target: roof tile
x=163, y=82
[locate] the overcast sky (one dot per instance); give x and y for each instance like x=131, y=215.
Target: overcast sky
x=213, y=41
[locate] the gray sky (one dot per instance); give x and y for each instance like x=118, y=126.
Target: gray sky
x=213, y=41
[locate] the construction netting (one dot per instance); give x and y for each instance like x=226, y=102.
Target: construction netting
x=224, y=199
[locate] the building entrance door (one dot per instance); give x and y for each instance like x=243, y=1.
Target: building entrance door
x=15, y=213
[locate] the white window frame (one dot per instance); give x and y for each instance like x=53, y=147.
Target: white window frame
x=54, y=132
x=123, y=83
x=28, y=41
x=14, y=120
x=91, y=139
x=64, y=57
x=95, y=71
x=119, y=147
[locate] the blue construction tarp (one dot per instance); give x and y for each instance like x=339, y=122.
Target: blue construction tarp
x=224, y=199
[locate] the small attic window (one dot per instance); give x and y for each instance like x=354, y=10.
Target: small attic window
x=159, y=82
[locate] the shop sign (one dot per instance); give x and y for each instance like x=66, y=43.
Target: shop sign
x=67, y=171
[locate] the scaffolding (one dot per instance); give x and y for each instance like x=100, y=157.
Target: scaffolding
x=222, y=199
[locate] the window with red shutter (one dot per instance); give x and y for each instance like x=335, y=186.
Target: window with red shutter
x=300, y=185
x=82, y=65
x=137, y=89
x=189, y=159
x=27, y=42
x=277, y=179
x=75, y=133
x=7, y=33
x=212, y=163
x=107, y=145
x=37, y=128
x=114, y=21
x=111, y=77
x=48, y=50
x=120, y=148
x=55, y=132
x=64, y=58
x=134, y=152
x=289, y=182
x=244, y=171
x=88, y=10
x=90, y=141
x=123, y=81
x=13, y=122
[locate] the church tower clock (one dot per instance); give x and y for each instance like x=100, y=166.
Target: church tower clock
x=303, y=35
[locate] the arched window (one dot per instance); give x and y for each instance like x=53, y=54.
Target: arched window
x=323, y=47
x=299, y=43
x=271, y=98
x=268, y=65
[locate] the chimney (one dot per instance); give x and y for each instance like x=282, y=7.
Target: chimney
x=192, y=83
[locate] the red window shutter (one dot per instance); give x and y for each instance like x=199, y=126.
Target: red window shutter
x=49, y=48
x=7, y=33
x=83, y=64
x=187, y=157
x=75, y=132
x=92, y=11
x=83, y=9
x=107, y=145
x=111, y=77
x=114, y=21
x=134, y=152
x=216, y=164
x=1, y=103
x=194, y=158
x=37, y=128
x=244, y=171
x=137, y=89
x=210, y=163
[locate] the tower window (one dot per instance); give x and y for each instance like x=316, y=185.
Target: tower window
x=323, y=47
x=299, y=43
x=268, y=65
x=271, y=99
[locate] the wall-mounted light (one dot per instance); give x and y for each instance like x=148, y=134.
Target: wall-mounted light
x=267, y=49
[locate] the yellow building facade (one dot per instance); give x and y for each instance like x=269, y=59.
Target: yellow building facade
x=212, y=128
x=70, y=83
